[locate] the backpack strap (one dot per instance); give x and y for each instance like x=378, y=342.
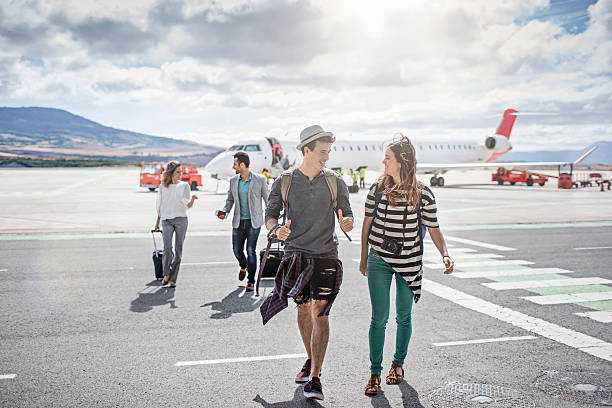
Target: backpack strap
x=286, y=179
x=377, y=198
x=332, y=183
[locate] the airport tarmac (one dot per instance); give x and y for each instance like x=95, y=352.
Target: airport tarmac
x=84, y=323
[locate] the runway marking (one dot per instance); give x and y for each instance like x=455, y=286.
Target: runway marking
x=602, y=316
x=484, y=263
x=588, y=248
x=545, y=283
x=603, y=305
x=569, y=298
x=463, y=256
x=209, y=263
x=577, y=340
x=530, y=224
x=509, y=272
x=500, y=339
x=3, y=270
x=480, y=244
x=7, y=376
x=560, y=290
x=239, y=360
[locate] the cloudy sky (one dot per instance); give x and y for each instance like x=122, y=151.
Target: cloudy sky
x=213, y=71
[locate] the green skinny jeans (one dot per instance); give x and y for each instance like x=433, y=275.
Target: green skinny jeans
x=380, y=275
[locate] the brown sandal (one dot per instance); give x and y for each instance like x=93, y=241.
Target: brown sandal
x=393, y=377
x=373, y=385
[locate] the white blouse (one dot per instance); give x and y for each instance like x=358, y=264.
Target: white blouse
x=172, y=200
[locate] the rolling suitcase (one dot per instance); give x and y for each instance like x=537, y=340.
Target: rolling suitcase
x=157, y=259
x=269, y=260
x=353, y=188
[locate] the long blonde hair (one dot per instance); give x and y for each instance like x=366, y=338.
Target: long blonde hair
x=167, y=174
x=408, y=188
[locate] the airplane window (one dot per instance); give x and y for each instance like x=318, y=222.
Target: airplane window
x=436, y=147
x=252, y=148
x=380, y=148
x=351, y=147
x=358, y=148
x=465, y=147
x=448, y=147
x=335, y=148
x=429, y=147
x=342, y=148
x=420, y=147
x=366, y=147
x=373, y=147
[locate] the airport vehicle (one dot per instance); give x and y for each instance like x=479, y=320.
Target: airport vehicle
x=150, y=175
x=518, y=176
x=434, y=157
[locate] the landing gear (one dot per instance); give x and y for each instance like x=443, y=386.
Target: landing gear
x=436, y=181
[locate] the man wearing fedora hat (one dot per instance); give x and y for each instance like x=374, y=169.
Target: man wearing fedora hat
x=310, y=271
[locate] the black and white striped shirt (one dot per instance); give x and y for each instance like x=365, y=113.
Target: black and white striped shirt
x=389, y=221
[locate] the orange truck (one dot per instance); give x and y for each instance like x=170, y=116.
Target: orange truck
x=151, y=173
x=518, y=176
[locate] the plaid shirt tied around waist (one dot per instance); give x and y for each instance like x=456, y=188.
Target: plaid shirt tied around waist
x=291, y=278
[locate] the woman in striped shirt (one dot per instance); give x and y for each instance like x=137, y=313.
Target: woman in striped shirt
x=398, y=208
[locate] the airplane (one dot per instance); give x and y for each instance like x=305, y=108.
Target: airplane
x=433, y=157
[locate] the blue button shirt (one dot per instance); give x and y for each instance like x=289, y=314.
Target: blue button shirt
x=243, y=195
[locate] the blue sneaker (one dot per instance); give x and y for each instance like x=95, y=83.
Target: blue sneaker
x=304, y=374
x=313, y=389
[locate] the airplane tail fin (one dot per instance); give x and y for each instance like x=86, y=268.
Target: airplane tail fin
x=505, y=127
x=584, y=156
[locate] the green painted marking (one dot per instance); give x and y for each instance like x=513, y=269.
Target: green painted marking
x=489, y=268
x=534, y=225
x=99, y=235
x=566, y=290
x=605, y=305
x=519, y=278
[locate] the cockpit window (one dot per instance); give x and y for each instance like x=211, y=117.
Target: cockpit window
x=252, y=148
x=235, y=148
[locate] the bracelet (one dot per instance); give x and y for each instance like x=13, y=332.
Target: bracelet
x=445, y=256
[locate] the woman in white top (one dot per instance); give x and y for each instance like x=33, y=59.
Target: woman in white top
x=172, y=203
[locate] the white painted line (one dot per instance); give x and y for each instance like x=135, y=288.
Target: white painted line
x=577, y=340
x=587, y=248
x=7, y=376
x=546, y=283
x=603, y=316
x=486, y=263
x=459, y=343
x=462, y=256
x=509, y=272
x=3, y=270
x=480, y=244
x=209, y=263
x=239, y=360
x=569, y=298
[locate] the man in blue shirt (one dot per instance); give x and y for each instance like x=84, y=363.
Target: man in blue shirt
x=246, y=191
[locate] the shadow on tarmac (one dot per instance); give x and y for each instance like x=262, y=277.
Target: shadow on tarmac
x=298, y=401
x=234, y=302
x=410, y=397
x=145, y=302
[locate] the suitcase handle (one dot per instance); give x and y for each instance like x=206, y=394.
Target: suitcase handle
x=153, y=234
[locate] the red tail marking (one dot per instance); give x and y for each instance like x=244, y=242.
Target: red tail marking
x=505, y=127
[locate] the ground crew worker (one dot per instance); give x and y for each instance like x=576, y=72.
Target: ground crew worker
x=362, y=177
x=355, y=177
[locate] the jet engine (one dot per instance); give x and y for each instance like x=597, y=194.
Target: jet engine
x=498, y=143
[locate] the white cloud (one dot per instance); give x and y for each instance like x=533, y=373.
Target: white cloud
x=210, y=70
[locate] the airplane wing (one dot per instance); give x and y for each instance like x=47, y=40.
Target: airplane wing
x=425, y=167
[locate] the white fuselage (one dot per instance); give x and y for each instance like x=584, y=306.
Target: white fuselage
x=351, y=154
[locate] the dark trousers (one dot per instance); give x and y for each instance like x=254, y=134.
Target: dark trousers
x=245, y=232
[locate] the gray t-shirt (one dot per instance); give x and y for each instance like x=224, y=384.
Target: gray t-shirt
x=311, y=211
